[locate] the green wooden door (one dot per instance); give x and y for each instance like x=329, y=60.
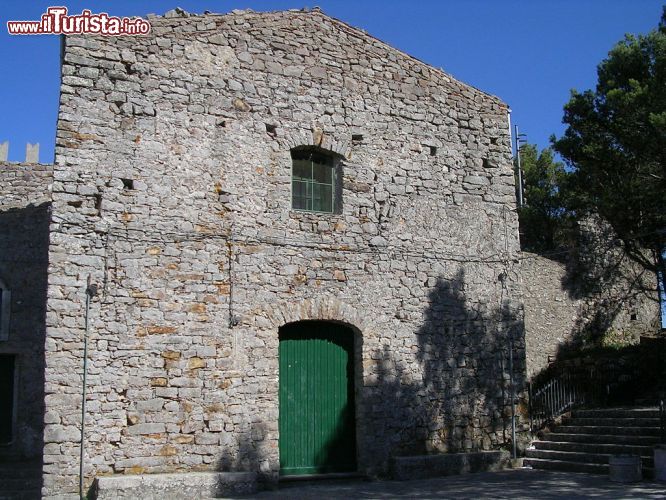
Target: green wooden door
x=317, y=426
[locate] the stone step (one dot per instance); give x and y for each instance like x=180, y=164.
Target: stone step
x=617, y=413
x=612, y=422
x=601, y=438
x=608, y=430
x=577, y=456
x=445, y=464
x=587, y=440
x=599, y=448
x=175, y=485
x=567, y=466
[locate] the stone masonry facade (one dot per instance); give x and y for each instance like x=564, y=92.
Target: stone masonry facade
x=172, y=191
x=596, y=296
x=25, y=202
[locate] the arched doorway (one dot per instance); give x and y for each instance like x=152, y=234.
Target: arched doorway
x=317, y=411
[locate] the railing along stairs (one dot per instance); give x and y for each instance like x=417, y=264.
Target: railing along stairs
x=561, y=393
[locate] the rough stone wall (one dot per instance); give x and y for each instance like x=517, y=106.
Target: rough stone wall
x=25, y=196
x=550, y=312
x=172, y=189
x=621, y=297
x=597, y=295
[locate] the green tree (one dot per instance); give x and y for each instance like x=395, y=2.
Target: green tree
x=542, y=217
x=615, y=143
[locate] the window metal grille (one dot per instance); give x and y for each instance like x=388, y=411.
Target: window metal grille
x=313, y=182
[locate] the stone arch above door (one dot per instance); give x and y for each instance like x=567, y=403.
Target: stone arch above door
x=324, y=309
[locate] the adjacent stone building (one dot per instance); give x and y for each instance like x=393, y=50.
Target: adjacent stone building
x=24, y=237
x=594, y=295
x=255, y=190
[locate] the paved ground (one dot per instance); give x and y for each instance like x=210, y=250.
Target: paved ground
x=509, y=484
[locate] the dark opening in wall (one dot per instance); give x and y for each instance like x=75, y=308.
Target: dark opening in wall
x=7, y=368
x=128, y=67
x=485, y=163
x=433, y=150
x=128, y=183
x=357, y=138
x=271, y=129
x=222, y=123
x=98, y=203
x=634, y=316
x=75, y=204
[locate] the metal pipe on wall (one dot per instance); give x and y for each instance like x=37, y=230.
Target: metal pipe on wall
x=91, y=291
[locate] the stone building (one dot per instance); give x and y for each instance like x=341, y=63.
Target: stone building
x=293, y=230
x=595, y=295
x=24, y=242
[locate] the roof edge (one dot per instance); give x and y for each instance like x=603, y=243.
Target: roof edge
x=179, y=12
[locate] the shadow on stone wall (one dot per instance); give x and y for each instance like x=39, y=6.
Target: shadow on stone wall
x=609, y=282
x=613, y=376
x=242, y=453
x=462, y=401
x=605, y=353
x=24, y=243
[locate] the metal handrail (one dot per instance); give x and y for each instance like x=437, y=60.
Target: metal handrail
x=564, y=392
x=554, y=398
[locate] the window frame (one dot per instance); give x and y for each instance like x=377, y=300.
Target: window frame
x=5, y=310
x=330, y=161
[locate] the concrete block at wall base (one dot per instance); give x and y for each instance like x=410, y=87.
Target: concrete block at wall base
x=448, y=464
x=177, y=485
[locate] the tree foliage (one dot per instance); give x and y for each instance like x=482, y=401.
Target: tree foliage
x=543, y=220
x=615, y=144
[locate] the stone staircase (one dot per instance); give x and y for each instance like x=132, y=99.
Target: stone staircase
x=20, y=480
x=586, y=440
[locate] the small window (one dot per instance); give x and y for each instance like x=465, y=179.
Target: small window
x=5, y=307
x=314, y=181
